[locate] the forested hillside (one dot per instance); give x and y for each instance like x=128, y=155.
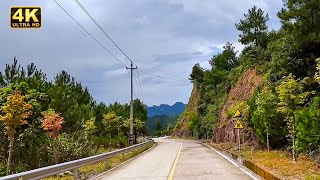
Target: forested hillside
x=273, y=81
x=162, y=119
x=160, y=124
x=47, y=122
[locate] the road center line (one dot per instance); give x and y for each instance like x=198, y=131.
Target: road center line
x=173, y=169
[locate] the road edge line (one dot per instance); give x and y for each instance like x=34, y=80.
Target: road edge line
x=173, y=168
x=242, y=168
x=117, y=166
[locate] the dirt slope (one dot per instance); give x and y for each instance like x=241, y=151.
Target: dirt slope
x=240, y=92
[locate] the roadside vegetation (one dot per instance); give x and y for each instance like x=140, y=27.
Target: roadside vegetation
x=46, y=122
x=93, y=170
x=278, y=162
x=284, y=106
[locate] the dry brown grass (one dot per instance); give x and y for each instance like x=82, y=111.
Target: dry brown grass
x=279, y=163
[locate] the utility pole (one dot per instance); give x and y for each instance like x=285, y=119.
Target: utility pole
x=131, y=137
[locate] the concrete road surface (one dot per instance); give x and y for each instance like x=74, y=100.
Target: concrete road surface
x=179, y=160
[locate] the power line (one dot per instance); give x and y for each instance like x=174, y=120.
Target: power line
x=82, y=7
x=162, y=77
x=89, y=34
x=129, y=78
x=138, y=86
x=106, y=34
x=95, y=22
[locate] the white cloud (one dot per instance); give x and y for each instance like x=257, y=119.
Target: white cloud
x=163, y=37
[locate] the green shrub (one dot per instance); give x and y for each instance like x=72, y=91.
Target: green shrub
x=3, y=169
x=265, y=115
x=308, y=127
x=71, y=148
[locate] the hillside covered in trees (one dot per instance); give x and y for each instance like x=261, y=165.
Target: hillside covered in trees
x=47, y=122
x=161, y=119
x=274, y=81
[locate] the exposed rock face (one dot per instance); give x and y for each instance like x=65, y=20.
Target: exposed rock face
x=181, y=129
x=241, y=91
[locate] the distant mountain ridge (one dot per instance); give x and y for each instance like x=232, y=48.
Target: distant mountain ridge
x=165, y=109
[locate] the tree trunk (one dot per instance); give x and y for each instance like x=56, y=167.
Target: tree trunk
x=11, y=150
x=55, y=152
x=293, y=140
x=268, y=145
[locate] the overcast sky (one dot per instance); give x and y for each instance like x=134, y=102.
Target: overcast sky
x=163, y=37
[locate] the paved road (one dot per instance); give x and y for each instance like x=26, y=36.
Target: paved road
x=186, y=160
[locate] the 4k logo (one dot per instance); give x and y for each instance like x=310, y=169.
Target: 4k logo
x=25, y=17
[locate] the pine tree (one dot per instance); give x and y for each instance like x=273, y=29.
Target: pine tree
x=253, y=28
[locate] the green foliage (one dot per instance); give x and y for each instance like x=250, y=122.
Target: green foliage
x=193, y=123
x=284, y=51
x=69, y=98
x=71, y=147
x=301, y=18
x=317, y=75
x=254, y=28
x=242, y=106
x=111, y=122
x=161, y=124
x=287, y=58
x=197, y=73
x=266, y=116
x=291, y=96
x=225, y=60
x=308, y=127
x=213, y=91
x=83, y=132
x=3, y=169
x=90, y=128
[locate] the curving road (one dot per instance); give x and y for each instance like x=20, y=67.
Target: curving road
x=178, y=160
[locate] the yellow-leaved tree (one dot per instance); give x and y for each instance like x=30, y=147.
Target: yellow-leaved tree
x=112, y=123
x=15, y=111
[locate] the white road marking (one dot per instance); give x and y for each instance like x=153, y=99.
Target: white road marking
x=234, y=163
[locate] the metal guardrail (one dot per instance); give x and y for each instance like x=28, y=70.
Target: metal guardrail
x=71, y=165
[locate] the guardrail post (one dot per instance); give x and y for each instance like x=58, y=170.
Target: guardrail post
x=106, y=164
x=75, y=174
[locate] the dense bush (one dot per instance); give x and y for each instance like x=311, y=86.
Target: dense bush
x=308, y=127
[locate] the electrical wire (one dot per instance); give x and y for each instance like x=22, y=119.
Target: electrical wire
x=140, y=84
x=106, y=34
x=95, y=22
x=89, y=34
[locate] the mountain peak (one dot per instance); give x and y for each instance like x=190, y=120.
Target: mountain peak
x=164, y=109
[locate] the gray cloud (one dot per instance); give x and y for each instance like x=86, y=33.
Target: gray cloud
x=162, y=37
